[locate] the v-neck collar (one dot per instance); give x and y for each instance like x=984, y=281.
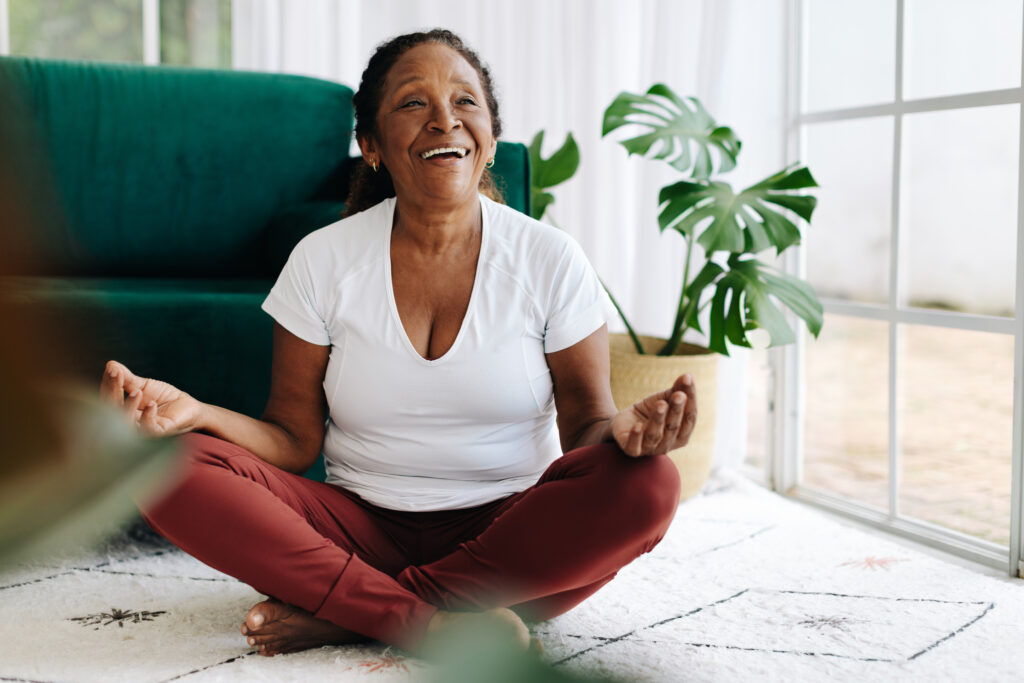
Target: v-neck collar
x=473, y=296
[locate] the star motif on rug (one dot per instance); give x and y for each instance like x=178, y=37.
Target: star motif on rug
x=873, y=563
x=116, y=616
x=826, y=622
x=388, y=661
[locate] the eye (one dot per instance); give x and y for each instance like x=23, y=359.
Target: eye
x=467, y=100
x=410, y=103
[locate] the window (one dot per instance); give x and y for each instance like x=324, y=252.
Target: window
x=185, y=32
x=908, y=112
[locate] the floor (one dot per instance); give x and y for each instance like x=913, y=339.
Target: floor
x=746, y=586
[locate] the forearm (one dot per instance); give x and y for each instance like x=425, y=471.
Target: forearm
x=270, y=442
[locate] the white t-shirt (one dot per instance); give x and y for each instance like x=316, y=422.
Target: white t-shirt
x=472, y=426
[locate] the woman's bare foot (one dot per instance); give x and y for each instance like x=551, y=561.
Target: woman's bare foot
x=502, y=622
x=275, y=628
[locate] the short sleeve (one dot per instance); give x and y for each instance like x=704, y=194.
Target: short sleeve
x=296, y=300
x=577, y=303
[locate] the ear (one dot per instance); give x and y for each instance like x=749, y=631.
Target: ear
x=494, y=148
x=368, y=146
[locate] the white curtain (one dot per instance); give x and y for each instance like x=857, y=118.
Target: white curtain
x=557, y=64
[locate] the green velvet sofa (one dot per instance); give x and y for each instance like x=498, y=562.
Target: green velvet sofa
x=165, y=202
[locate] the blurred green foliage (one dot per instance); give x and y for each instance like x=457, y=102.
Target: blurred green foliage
x=192, y=32
x=482, y=655
x=196, y=33
x=77, y=29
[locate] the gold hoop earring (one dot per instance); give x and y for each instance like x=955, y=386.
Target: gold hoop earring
x=490, y=163
x=374, y=166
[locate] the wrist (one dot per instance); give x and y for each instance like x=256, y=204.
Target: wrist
x=595, y=433
x=203, y=418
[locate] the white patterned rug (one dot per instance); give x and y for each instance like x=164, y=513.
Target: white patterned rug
x=746, y=585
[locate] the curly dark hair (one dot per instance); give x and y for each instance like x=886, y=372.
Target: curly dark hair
x=368, y=187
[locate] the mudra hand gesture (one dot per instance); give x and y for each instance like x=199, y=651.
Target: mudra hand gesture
x=660, y=422
x=158, y=408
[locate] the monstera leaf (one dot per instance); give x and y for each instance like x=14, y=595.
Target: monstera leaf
x=744, y=299
x=673, y=126
x=743, y=222
x=554, y=170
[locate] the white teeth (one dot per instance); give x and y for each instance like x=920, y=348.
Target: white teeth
x=461, y=151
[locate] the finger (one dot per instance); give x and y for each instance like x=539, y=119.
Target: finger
x=133, y=382
x=131, y=406
x=683, y=383
x=655, y=428
x=633, y=444
x=112, y=384
x=674, y=421
x=686, y=384
x=689, y=420
x=677, y=406
x=128, y=380
x=148, y=421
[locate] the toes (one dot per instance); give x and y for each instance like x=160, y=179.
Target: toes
x=264, y=645
x=255, y=621
x=257, y=617
x=257, y=640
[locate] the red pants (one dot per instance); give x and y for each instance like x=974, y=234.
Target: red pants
x=384, y=573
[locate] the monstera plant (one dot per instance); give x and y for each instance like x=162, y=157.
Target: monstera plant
x=730, y=293
x=726, y=284
x=546, y=173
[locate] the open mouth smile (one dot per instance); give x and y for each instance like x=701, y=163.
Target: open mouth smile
x=445, y=152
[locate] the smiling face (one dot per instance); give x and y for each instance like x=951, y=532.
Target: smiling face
x=433, y=131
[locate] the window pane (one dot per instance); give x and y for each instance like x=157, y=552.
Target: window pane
x=850, y=53
x=848, y=242
x=953, y=46
x=959, y=209
x=77, y=29
x=196, y=33
x=846, y=428
x=956, y=423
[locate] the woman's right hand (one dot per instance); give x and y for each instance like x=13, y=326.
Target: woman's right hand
x=158, y=408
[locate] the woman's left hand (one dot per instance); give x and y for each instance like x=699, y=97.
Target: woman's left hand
x=660, y=422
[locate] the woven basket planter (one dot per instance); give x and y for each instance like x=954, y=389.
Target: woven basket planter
x=634, y=377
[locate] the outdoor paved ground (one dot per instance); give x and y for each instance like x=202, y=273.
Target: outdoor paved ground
x=956, y=409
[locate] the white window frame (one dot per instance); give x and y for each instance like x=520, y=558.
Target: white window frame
x=5, y=28
x=786, y=447
x=151, y=32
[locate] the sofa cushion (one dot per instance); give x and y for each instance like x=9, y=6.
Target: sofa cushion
x=209, y=338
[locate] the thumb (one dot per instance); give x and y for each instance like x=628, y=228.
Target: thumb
x=131, y=380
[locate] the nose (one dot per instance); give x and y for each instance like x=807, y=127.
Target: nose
x=444, y=119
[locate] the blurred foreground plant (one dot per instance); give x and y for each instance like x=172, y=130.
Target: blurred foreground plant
x=69, y=466
x=480, y=655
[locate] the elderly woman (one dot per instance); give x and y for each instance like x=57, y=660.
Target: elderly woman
x=437, y=334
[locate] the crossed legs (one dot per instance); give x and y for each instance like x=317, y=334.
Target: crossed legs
x=341, y=570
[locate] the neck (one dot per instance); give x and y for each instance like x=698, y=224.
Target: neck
x=435, y=230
